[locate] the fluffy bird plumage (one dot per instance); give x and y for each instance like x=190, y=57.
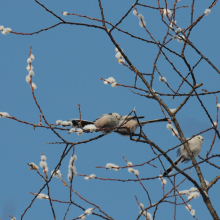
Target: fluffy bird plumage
x=195, y=145
x=129, y=124
x=104, y=121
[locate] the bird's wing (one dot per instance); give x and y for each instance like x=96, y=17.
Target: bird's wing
x=102, y=116
x=76, y=122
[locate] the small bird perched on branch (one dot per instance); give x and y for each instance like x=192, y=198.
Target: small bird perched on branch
x=110, y=120
x=195, y=145
x=129, y=124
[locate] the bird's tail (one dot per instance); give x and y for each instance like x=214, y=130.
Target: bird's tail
x=155, y=120
x=76, y=123
x=170, y=169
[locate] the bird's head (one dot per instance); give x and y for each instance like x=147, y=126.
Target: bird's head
x=200, y=137
x=116, y=115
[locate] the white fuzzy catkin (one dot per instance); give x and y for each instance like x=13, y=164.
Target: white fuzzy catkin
x=72, y=172
x=193, y=189
x=178, y=30
x=43, y=164
x=121, y=61
x=160, y=177
x=29, y=67
x=141, y=205
x=43, y=157
x=114, y=84
x=73, y=158
x=140, y=17
x=193, y=212
x=65, y=123
x=92, y=176
x=131, y=170
x=59, y=122
x=164, y=181
x=4, y=115
x=129, y=163
x=31, y=73
x=162, y=79
x=33, y=85
x=111, y=80
x=79, y=131
x=207, y=11
x=142, y=23
x=215, y=123
x=169, y=127
x=42, y=196
x=188, y=207
x=118, y=55
x=88, y=211
x=72, y=130
x=8, y=30
x=193, y=195
x=136, y=172
x=56, y=174
x=33, y=166
x=181, y=38
x=32, y=57
x=29, y=60
x=4, y=32
x=111, y=165
x=82, y=217
x=147, y=215
x=135, y=12
x=91, y=128
x=167, y=12
x=185, y=192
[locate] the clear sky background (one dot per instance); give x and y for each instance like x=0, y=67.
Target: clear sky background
x=69, y=62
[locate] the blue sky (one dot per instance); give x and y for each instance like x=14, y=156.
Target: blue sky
x=69, y=62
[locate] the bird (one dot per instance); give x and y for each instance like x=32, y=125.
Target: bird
x=129, y=124
x=195, y=145
x=110, y=120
